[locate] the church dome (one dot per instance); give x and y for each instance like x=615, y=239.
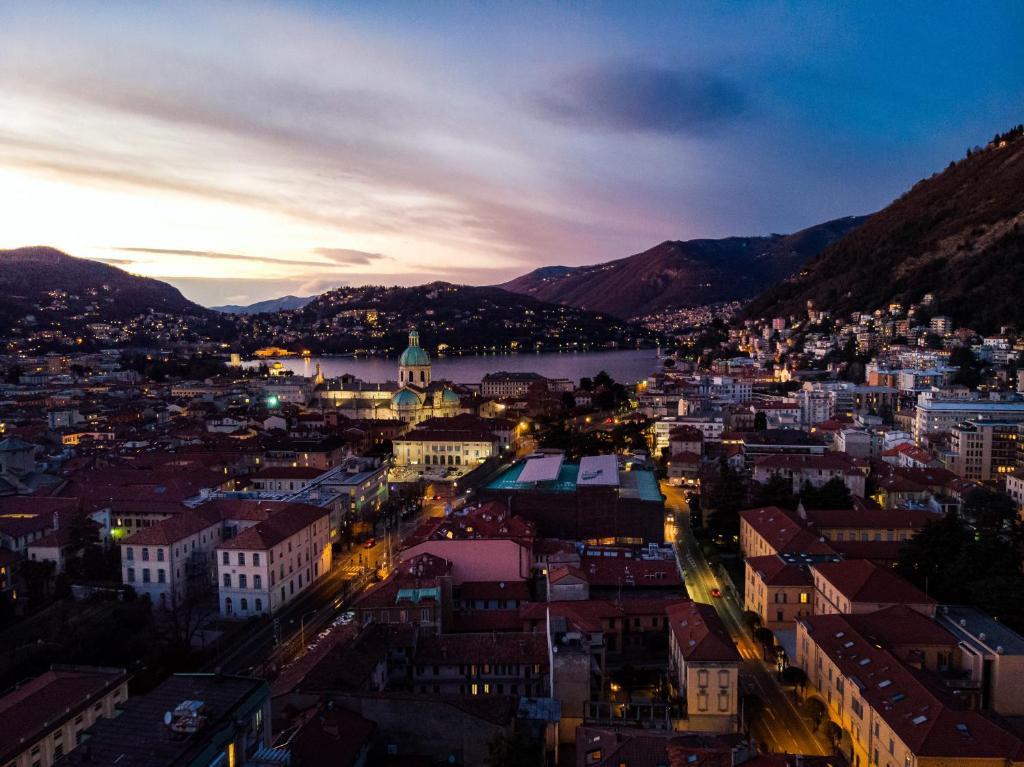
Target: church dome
x=414, y=354
x=447, y=395
x=405, y=398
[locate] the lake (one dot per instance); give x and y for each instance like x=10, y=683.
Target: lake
x=626, y=366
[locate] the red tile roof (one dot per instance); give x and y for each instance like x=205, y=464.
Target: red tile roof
x=784, y=531
x=458, y=649
x=700, y=634
x=35, y=708
x=167, y=532
x=775, y=571
x=862, y=581
x=278, y=527
x=920, y=719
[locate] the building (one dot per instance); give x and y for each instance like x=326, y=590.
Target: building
x=705, y=667
x=983, y=450
x=172, y=558
x=860, y=586
x=814, y=470
x=267, y=565
x=485, y=665
x=933, y=415
x=888, y=714
x=779, y=588
x=46, y=717
x=284, y=478
x=429, y=447
x=414, y=398
x=991, y=653
x=190, y=719
x=592, y=501
x=515, y=385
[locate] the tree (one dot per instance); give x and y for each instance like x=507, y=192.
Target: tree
x=817, y=710
x=751, y=619
x=989, y=510
x=726, y=499
x=514, y=750
x=834, y=733
x=760, y=421
x=969, y=368
x=777, y=491
x=795, y=676
x=751, y=708
x=765, y=638
x=834, y=494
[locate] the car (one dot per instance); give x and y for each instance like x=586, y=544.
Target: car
x=370, y=543
x=716, y=593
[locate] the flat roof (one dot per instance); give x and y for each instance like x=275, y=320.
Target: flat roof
x=565, y=482
x=543, y=468
x=969, y=624
x=598, y=470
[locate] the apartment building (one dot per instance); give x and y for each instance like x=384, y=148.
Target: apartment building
x=45, y=717
x=860, y=586
x=705, y=666
x=889, y=715
x=815, y=470
x=483, y=664
x=779, y=588
x=983, y=450
x=172, y=557
x=267, y=565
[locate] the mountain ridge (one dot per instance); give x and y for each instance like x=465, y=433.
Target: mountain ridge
x=676, y=274
x=283, y=303
x=956, y=235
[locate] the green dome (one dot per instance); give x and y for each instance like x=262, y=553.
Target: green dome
x=405, y=398
x=449, y=396
x=415, y=354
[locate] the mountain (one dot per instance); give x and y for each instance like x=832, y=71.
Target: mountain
x=462, y=318
x=956, y=235
x=44, y=288
x=282, y=304
x=678, y=274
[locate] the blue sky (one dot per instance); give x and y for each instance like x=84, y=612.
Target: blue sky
x=245, y=150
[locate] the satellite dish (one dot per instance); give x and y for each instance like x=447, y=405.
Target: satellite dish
x=168, y=718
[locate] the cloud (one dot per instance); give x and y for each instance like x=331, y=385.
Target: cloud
x=630, y=97
x=349, y=256
x=240, y=256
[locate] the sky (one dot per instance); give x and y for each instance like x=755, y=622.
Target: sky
x=244, y=151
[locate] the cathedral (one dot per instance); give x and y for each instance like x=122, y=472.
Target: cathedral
x=414, y=398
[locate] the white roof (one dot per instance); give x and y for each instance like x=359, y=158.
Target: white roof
x=598, y=470
x=541, y=469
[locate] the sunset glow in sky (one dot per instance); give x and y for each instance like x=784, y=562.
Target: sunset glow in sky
x=243, y=151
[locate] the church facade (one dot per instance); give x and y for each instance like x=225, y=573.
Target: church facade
x=412, y=399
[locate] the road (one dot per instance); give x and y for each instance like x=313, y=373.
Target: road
x=276, y=642
x=781, y=726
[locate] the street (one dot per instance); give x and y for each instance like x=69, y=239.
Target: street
x=781, y=726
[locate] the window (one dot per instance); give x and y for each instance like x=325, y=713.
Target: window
x=145, y=554
x=242, y=580
x=161, y=576
x=131, y=554
x=131, y=575
x=145, y=575
x=256, y=559
x=160, y=555
x=245, y=604
x=257, y=582
x=227, y=580
x=241, y=557
x=803, y=597
x=226, y=558
x=259, y=604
